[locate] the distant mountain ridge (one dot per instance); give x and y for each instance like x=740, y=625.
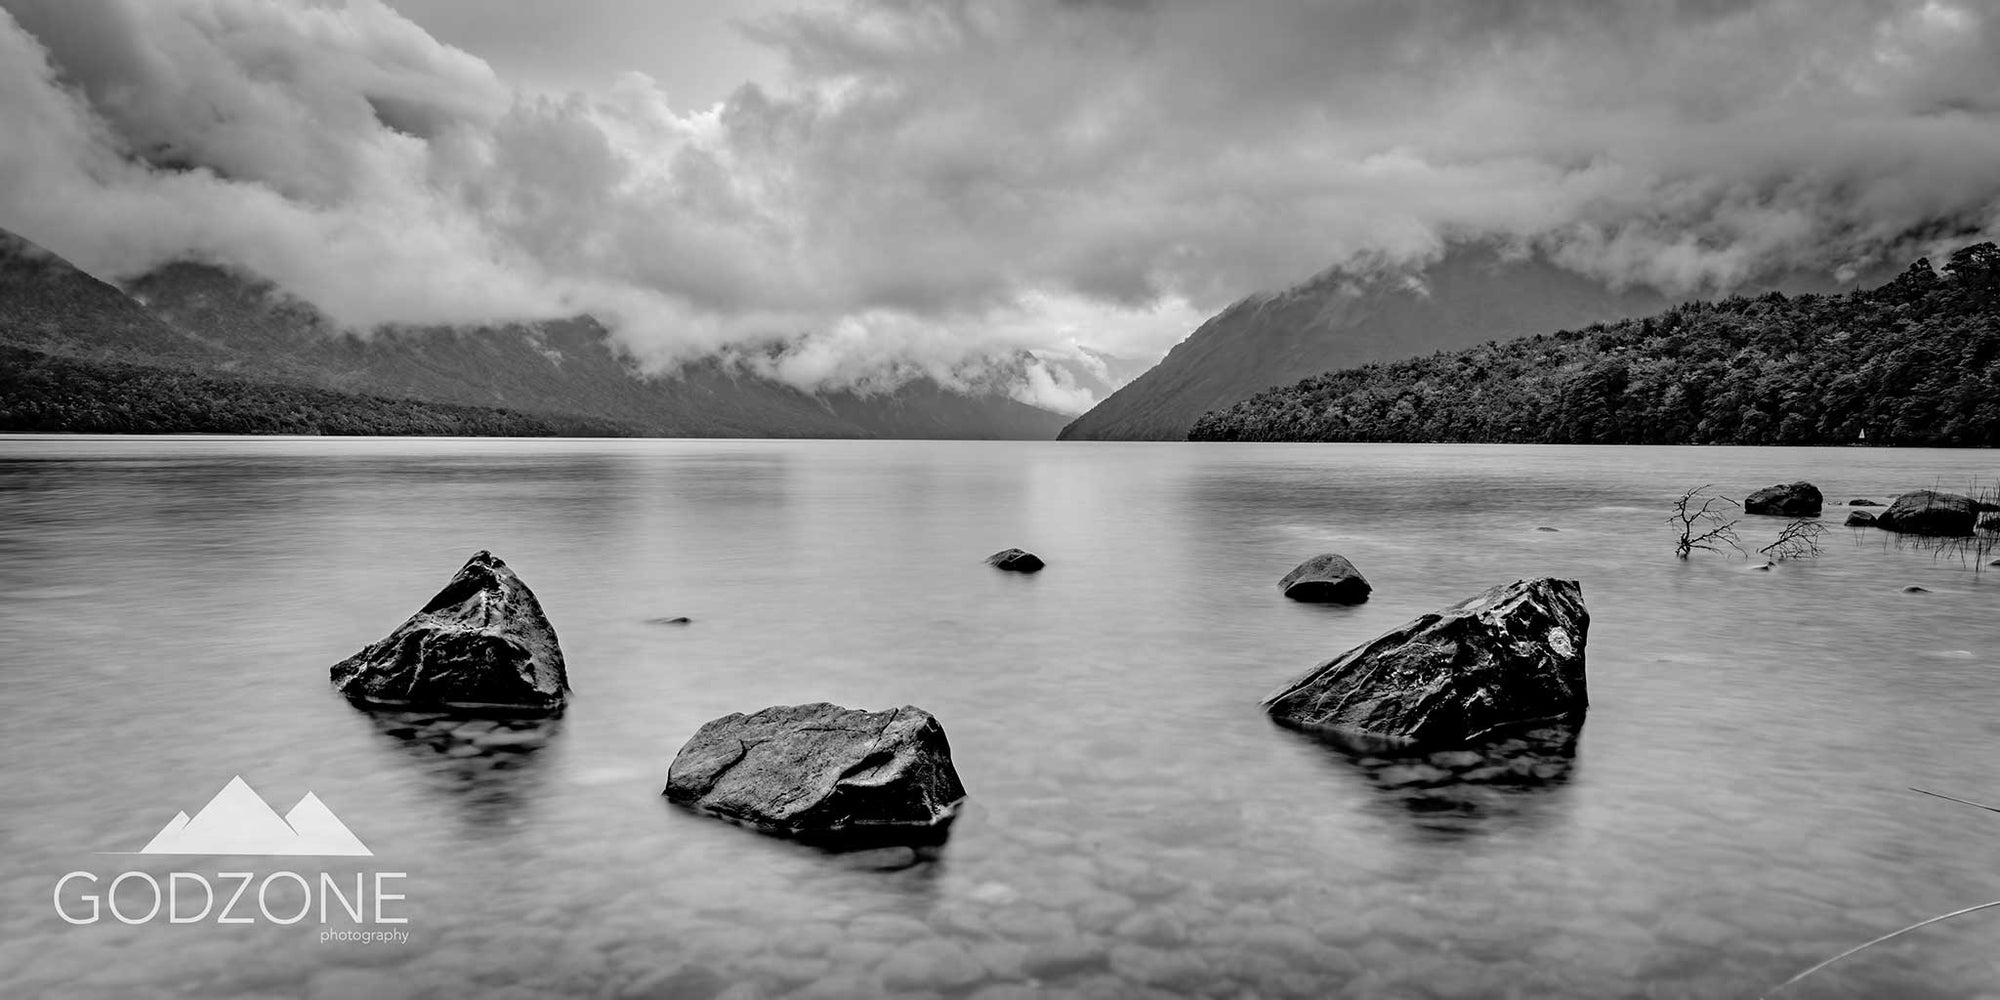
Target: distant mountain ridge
x=563, y=366
x=1340, y=319
x=237, y=332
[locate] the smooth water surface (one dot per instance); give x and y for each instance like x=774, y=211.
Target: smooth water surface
x=1735, y=808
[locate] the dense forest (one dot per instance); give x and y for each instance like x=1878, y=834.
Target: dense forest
x=1913, y=362
x=41, y=393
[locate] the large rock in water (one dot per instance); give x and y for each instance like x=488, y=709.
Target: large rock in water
x=1928, y=512
x=1510, y=656
x=1326, y=579
x=822, y=772
x=481, y=644
x=1800, y=499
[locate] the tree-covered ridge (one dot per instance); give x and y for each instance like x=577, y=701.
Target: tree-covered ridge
x=42, y=392
x=1913, y=362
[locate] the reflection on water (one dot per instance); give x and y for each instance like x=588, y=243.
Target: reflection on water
x=490, y=769
x=1136, y=825
x=1512, y=780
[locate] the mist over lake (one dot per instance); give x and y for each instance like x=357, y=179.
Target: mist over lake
x=1734, y=807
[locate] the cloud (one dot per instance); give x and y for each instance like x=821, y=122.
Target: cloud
x=936, y=185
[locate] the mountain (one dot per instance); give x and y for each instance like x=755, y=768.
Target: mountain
x=50, y=306
x=1341, y=319
x=566, y=367
x=195, y=348
x=1914, y=362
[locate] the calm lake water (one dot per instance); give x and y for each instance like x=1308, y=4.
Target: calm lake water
x=1735, y=808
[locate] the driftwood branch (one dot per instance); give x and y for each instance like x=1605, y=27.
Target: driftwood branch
x=1954, y=798
x=1857, y=949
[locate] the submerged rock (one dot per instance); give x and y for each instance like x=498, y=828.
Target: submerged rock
x=1928, y=512
x=1863, y=503
x=1326, y=579
x=1015, y=560
x=1800, y=499
x=1860, y=519
x=1510, y=656
x=481, y=644
x=822, y=772
x=676, y=620
x=1914, y=589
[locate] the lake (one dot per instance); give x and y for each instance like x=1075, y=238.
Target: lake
x=1735, y=808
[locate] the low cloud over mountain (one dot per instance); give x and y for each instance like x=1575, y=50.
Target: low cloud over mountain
x=927, y=185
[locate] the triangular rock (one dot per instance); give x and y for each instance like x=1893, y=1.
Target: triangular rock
x=482, y=643
x=1507, y=657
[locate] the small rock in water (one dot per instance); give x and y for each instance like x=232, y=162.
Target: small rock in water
x=1860, y=519
x=1914, y=589
x=681, y=620
x=1547, y=528
x=1863, y=503
x=482, y=644
x=1015, y=560
x=1766, y=568
x=1326, y=578
x=822, y=772
x=1800, y=499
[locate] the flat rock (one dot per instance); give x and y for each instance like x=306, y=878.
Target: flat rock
x=1015, y=561
x=822, y=772
x=1326, y=578
x=676, y=620
x=1510, y=656
x=1860, y=519
x=481, y=644
x=1929, y=512
x=1800, y=499
x=1863, y=503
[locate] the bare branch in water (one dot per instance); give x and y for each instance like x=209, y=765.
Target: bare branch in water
x=1799, y=540
x=1857, y=949
x=1702, y=526
x=1954, y=798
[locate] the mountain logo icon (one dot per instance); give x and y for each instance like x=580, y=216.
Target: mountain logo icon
x=238, y=821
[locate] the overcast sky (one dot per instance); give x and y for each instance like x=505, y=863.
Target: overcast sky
x=924, y=182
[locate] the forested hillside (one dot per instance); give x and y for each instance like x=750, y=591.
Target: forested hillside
x=43, y=393
x=1913, y=362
